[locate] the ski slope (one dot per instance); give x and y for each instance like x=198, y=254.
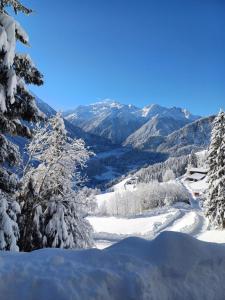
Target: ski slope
x=181, y=217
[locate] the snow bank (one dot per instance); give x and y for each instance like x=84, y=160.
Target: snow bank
x=172, y=266
x=215, y=236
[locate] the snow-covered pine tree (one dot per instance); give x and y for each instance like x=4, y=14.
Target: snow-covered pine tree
x=168, y=175
x=16, y=104
x=59, y=221
x=192, y=160
x=215, y=202
x=9, y=231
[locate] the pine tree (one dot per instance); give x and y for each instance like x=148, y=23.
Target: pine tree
x=215, y=202
x=52, y=187
x=192, y=160
x=168, y=175
x=16, y=102
x=16, y=105
x=9, y=231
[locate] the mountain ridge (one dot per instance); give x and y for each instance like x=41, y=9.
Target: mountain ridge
x=116, y=121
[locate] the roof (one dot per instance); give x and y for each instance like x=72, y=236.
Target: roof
x=198, y=170
x=196, y=176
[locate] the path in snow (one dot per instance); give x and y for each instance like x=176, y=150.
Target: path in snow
x=182, y=217
x=109, y=230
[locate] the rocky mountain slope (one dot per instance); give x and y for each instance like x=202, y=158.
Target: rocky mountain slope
x=108, y=119
x=195, y=135
x=95, y=142
x=152, y=133
x=122, y=123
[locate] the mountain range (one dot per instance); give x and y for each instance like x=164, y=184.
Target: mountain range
x=126, y=138
x=96, y=143
x=127, y=124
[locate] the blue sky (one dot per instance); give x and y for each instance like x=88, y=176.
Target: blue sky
x=170, y=52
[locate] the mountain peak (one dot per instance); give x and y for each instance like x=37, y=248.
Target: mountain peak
x=151, y=110
x=116, y=121
x=107, y=102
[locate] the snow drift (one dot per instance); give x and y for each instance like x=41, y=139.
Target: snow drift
x=172, y=266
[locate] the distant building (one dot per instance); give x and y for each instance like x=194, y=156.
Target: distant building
x=196, y=174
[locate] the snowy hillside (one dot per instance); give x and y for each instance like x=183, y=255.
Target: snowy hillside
x=182, y=217
x=185, y=217
x=195, y=135
x=152, y=133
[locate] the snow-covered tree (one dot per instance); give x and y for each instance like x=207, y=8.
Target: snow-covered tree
x=56, y=207
x=9, y=231
x=16, y=104
x=215, y=202
x=144, y=197
x=155, y=172
x=168, y=175
x=192, y=160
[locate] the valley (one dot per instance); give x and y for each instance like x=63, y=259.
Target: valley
x=126, y=138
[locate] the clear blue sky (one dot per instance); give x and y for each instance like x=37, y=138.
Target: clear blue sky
x=170, y=52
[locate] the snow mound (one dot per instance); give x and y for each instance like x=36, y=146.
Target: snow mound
x=172, y=266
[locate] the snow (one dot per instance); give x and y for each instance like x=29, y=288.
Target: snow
x=172, y=266
x=185, y=223
x=199, y=186
x=145, y=111
x=10, y=30
x=12, y=85
x=117, y=188
x=196, y=176
x=121, y=186
x=128, y=226
x=198, y=170
x=214, y=236
x=104, y=197
x=2, y=99
x=7, y=38
x=181, y=217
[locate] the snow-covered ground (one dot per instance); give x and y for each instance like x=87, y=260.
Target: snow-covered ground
x=147, y=257
x=181, y=217
x=172, y=266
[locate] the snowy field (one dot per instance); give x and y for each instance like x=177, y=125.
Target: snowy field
x=172, y=266
x=181, y=218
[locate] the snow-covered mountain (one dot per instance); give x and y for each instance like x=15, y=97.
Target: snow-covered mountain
x=96, y=143
x=195, y=135
x=174, y=112
x=153, y=132
x=149, y=128
x=116, y=121
x=108, y=119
